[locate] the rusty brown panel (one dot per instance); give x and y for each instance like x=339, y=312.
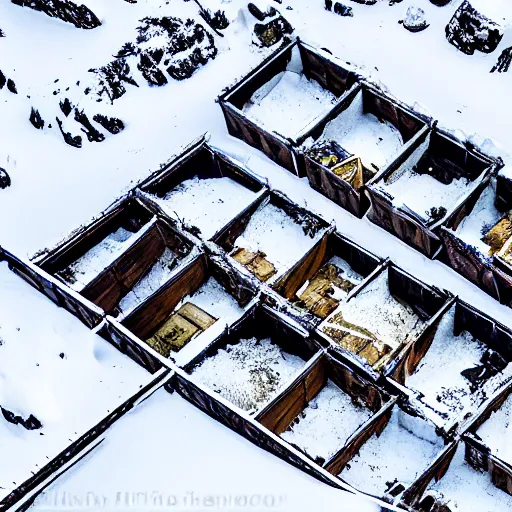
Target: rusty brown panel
x=501, y=474
x=146, y=319
x=307, y=267
x=104, y=291
x=375, y=426
x=476, y=454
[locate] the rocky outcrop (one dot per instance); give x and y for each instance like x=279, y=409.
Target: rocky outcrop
x=5, y=179
x=113, y=125
x=504, y=61
x=470, y=31
x=30, y=423
x=36, y=119
x=79, y=15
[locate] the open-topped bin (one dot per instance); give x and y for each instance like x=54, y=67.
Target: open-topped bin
x=476, y=242
x=254, y=360
x=453, y=484
x=272, y=236
x=326, y=275
x=427, y=184
x=391, y=457
x=363, y=134
x=202, y=190
x=191, y=309
x=378, y=324
x=325, y=410
x=282, y=99
x=466, y=361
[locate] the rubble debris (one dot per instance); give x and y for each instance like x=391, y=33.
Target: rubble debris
x=112, y=124
x=79, y=15
x=415, y=19
x=272, y=31
x=470, y=31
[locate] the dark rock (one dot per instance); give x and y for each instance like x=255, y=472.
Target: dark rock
x=343, y=10
x=217, y=20
x=5, y=179
x=262, y=15
x=30, y=423
x=76, y=141
x=468, y=30
x=93, y=135
x=36, y=119
x=79, y=15
x=504, y=61
x=2, y=33
x=181, y=69
x=440, y=3
x=66, y=107
x=3, y=80
x=273, y=31
x=415, y=19
x=150, y=71
x=11, y=86
x=112, y=78
x=328, y=5
x=112, y=124
x=365, y=2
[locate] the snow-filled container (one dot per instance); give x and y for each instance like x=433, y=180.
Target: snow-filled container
x=62, y=386
x=383, y=323
x=430, y=182
x=190, y=310
x=466, y=360
x=361, y=136
x=325, y=411
x=323, y=277
x=202, y=190
x=276, y=105
x=253, y=361
x=454, y=484
x=393, y=456
x=475, y=238
x=271, y=237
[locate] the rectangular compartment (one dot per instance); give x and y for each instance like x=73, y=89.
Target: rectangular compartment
x=254, y=360
x=271, y=237
x=415, y=195
x=394, y=456
x=283, y=98
x=191, y=309
x=364, y=133
x=378, y=324
x=326, y=275
x=321, y=412
x=202, y=190
x=466, y=362
x=473, y=239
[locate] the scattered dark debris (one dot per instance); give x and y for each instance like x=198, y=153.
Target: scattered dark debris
x=112, y=124
x=504, y=61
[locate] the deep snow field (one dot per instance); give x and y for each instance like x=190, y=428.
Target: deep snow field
x=55, y=188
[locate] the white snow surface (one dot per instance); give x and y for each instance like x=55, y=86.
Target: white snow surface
x=68, y=394
x=249, y=373
x=438, y=375
x=465, y=489
x=482, y=218
x=273, y=232
x=288, y=103
x=363, y=135
x=375, y=309
x=403, y=451
x=208, y=204
x=497, y=431
x=326, y=423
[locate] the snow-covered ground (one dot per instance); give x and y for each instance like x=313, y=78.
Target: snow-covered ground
x=53, y=368
x=55, y=188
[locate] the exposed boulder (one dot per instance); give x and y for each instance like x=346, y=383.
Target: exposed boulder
x=3, y=80
x=440, y=3
x=365, y=2
x=415, y=19
x=11, y=86
x=504, y=61
x=75, y=141
x=30, y=423
x=93, y=135
x=5, y=179
x=111, y=79
x=470, y=31
x=113, y=125
x=79, y=15
x=36, y=119
x=340, y=9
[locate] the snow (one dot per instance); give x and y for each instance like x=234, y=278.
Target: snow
x=326, y=423
x=438, y=375
x=181, y=435
x=400, y=453
x=68, y=394
x=82, y=271
x=467, y=490
x=288, y=103
x=208, y=204
x=160, y=272
x=482, y=218
x=276, y=234
x=376, y=310
x=249, y=373
x=497, y=430
x=363, y=135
